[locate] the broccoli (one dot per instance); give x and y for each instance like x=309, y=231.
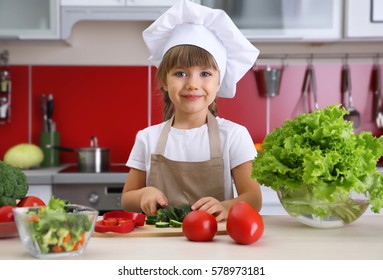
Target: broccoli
x=13, y=184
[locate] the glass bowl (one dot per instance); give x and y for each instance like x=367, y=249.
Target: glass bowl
x=310, y=210
x=8, y=230
x=55, y=234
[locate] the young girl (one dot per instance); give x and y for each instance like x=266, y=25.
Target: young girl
x=194, y=157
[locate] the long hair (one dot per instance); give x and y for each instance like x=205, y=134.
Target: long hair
x=183, y=56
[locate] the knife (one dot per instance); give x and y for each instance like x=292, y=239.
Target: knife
x=43, y=100
x=50, y=107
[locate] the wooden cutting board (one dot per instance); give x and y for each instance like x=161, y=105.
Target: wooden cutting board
x=152, y=231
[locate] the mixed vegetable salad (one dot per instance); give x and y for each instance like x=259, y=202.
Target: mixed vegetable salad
x=55, y=229
x=317, y=157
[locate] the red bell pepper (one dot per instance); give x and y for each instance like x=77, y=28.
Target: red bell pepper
x=137, y=218
x=125, y=227
x=120, y=221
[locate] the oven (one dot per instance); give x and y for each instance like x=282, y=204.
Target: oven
x=101, y=191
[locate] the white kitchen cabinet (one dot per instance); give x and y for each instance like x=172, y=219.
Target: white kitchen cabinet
x=284, y=19
x=29, y=19
x=73, y=11
x=167, y=3
x=93, y=2
x=363, y=18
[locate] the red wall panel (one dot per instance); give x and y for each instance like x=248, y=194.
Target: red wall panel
x=109, y=102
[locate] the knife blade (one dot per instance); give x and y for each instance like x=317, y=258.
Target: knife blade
x=50, y=107
x=43, y=100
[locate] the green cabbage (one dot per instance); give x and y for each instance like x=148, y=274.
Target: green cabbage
x=24, y=156
x=321, y=152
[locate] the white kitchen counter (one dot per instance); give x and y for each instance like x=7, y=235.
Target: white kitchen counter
x=284, y=238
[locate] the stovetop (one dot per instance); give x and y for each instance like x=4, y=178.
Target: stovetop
x=113, y=168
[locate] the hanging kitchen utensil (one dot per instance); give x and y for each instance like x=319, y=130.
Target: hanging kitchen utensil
x=302, y=105
x=354, y=115
x=91, y=159
x=377, y=95
x=313, y=86
x=268, y=81
x=309, y=85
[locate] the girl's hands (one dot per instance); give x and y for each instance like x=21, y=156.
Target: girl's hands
x=151, y=198
x=212, y=206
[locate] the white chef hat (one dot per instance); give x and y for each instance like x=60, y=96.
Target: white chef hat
x=188, y=23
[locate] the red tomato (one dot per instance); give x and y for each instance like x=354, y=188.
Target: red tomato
x=244, y=224
x=6, y=214
x=199, y=225
x=30, y=201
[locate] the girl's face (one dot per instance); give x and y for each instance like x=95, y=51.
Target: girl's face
x=192, y=89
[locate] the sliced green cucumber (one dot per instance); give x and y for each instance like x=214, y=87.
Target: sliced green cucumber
x=163, y=215
x=162, y=224
x=152, y=217
x=175, y=223
x=182, y=211
x=151, y=222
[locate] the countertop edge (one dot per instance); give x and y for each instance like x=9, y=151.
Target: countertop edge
x=50, y=176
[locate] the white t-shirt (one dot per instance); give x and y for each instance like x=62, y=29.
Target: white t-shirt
x=193, y=145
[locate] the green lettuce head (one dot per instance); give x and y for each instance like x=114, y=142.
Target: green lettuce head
x=321, y=151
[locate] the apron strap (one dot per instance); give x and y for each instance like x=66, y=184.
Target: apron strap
x=213, y=130
x=160, y=148
x=214, y=139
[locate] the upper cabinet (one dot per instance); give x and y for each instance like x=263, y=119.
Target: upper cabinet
x=29, y=19
x=284, y=19
x=73, y=11
x=293, y=20
x=166, y=3
x=93, y=2
x=364, y=19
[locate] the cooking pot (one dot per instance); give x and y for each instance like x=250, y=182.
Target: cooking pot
x=89, y=159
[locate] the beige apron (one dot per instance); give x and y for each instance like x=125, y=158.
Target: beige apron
x=186, y=182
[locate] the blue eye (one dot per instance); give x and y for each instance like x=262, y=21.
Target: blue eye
x=180, y=74
x=205, y=74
